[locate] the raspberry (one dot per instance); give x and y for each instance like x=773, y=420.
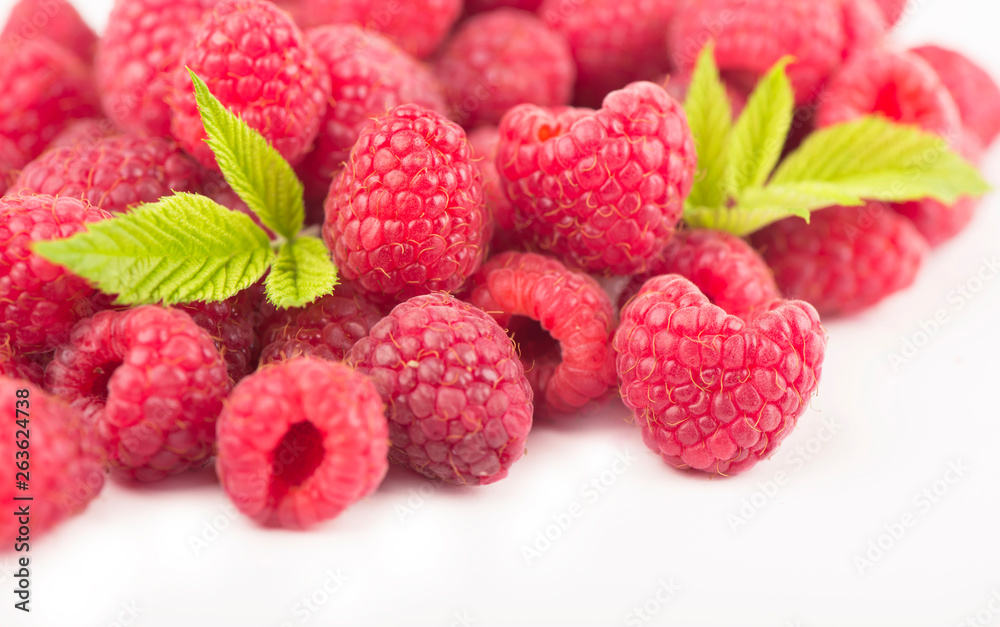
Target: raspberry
x=725, y=268
x=233, y=324
x=864, y=26
x=710, y=391
x=39, y=301
x=137, y=58
x=115, y=174
x=484, y=141
x=16, y=366
x=614, y=42
x=11, y=162
x=406, y=216
x=752, y=35
x=892, y=9
x=845, y=259
x=480, y=6
x=973, y=89
x=326, y=329
x=54, y=20
x=152, y=383
x=897, y=85
x=257, y=63
x=501, y=59
x=64, y=478
x=45, y=87
x=602, y=190
x=88, y=131
x=370, y=76
x=459, y=406
x=416, y=26
x=300, y=441
x=562, y=321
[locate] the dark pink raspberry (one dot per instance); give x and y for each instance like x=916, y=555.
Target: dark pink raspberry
x=39, y=301
x=845, y=259
x=975, y=92
x=480, y=6
x=87, y=131
x=864, y=26
x=256, y=61
x=407, y=214
x=562, y=321
x=370, y=75
x=233, y=324
x=459, y=406
x=501, y=59
x=14, y=365
x=892, y=9
x=752, y=35
x=11, y=162
x=300, y=441
x=484, y=141
x=614, y=42
x=897, y=85
x=44, y=89
x=63, y=476
x=115, y=174
x=710, y=391
x=416, y=26
x=138, y=56
x=152, y=383
x=56, y=21
x=725, y=268
x=601, y=190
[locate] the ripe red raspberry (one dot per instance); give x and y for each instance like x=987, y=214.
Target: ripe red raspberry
x=138, y=56
x=256, y=61
x=501, y=59
x=416, y=26
x=864, y=26
x=44, y=88
x=17, y=366
x=480, y=6
x=115, y=174
x=152, y=383
x=614, y=42
x=370, y=75
x=459, y=406
x=975, y=92
x=88, y=131
x=300, y=441
x=725, y=268
x=484, y=141
x=752, y=35
x=892, y=9
x=710, y=391
x=897, y=85
x=56, y=21
x=406, y=216
x=39, y=301
x=326, y=329
x=602, y=190
x=11, y=162
x=63, y=476
x=845, y=259
x=562, y=321
x=233, y=324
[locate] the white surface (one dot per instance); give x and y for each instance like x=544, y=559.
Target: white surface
x=417, y=555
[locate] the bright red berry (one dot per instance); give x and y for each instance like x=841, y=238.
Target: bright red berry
x=864, y=26
x=233, y=324
x=15, y=365
x=53, y=20
x=87, y=131
x=975, y=92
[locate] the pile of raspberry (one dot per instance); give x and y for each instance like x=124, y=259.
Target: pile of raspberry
x=478, y=171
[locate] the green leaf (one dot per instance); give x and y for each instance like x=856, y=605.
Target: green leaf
x=181, y=249
x=759, y=135
x=302, y=273
x=875, y=159
x=252, y=167
x=710, y=116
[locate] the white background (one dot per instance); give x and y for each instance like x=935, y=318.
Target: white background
x=416, y=555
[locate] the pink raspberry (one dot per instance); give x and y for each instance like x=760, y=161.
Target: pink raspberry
x=725, y=268
x=370, y=76
x=11, y=162
x=138, y=56
x=301, y=441
x=63, y=476
x=975, y=92
x=406, y=216
x=39, y=301
x=501, y=59
x=481, y=6
x=602, y=190
x=152, y=383
x=14, y=365
x=562, y=321
x=233, y=325
x=484, y=141
x=459, y=406
x=864, y=26
x=257, y=62
x=56, y=21
x=845, y=259
x=115, y=174
x=416, y=26
x=892, y=9
x=87, y=131
x=614, y=42
x=710, y=391
x=897, y=85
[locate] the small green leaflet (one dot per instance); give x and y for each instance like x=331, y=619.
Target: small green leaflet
x=710, y=115
x=302, y=270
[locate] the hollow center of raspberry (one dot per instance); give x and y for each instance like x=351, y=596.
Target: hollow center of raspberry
x=888, y=103
x=102, y=375
x=534, y=343
x=296, y=458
